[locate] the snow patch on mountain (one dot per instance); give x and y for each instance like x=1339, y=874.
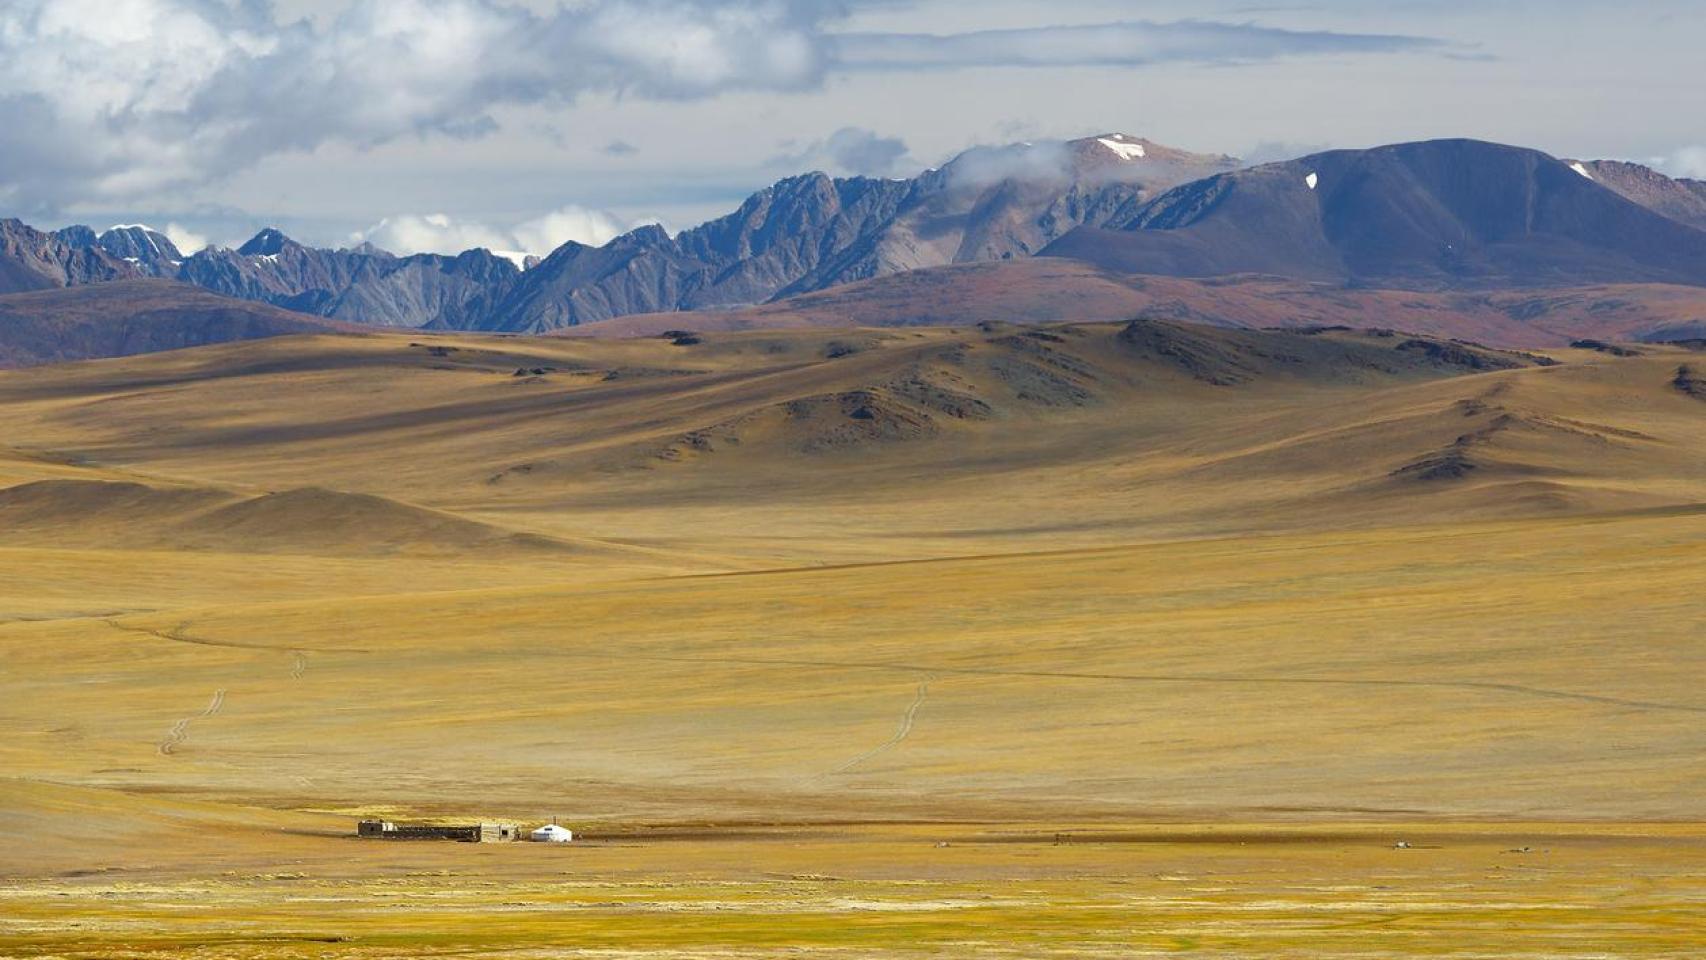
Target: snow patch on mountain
x=1126, y=151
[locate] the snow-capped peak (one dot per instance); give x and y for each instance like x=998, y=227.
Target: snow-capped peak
x=1313, y=180
x=1125, y=149
x=1577, y=166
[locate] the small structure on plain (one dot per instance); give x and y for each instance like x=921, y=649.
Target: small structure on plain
x=465, y=833
x=551, y=833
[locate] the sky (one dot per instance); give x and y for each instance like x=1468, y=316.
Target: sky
x=521, y=124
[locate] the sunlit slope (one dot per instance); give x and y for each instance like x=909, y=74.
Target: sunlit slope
x=1542, y=668
x=757, y=449
x=1155, y=569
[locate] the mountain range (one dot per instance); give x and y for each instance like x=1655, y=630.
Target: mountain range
x=1442, y=219
x=1444, y=214
x=801, y=234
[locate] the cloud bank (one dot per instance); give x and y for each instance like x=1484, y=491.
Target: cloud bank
x=1127, y=43
x=1687, y=162
x=105, y=102
x=437, y=233
x=854, y=151
x=186, y=240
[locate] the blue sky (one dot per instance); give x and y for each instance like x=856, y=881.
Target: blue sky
x=438, y=124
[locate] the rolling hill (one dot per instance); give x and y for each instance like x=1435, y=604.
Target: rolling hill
x=1055, y=290
x=90, y=513
x=127, y=317
x=1149, y=428
x=898, y=624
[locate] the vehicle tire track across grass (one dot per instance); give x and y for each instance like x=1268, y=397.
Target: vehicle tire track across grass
x=178, y=634
x=901, y=733
x=180, y=731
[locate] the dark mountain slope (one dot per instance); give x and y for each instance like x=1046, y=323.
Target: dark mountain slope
x=1438, y=214
x=814, y=232
x=128, y=317
x=1052, y=289
x=1681, y=200
x=1001, y=203
x=637, y=272
x=785, y=233
x=150, y=251
x=363, y=285
x=33, y=260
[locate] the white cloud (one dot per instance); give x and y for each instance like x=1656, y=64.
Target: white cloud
x=1125, y=43
x=544, y=234
x=1687, y=162
x=102, y=100
x=105, y=102
x=432, y=233
x=437, y=233
x=186, y=240
x=851, y=150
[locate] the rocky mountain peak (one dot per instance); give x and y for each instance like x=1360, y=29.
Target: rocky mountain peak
x=78, y=235
x=269, y=242
x=645, y=235
x=150, y=250
x=33, y=260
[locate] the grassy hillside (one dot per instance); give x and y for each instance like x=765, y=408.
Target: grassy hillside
x=773, y=616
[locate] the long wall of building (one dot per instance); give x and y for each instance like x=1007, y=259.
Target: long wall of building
x=465, y=833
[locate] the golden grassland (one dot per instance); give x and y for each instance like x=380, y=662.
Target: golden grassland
x=1517, y=890
x=1130, y=663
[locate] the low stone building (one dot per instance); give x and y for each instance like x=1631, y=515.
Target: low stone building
x=465, y=833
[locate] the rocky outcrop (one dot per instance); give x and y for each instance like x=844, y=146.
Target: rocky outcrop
x=1690, y=382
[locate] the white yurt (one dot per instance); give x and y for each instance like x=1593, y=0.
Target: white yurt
x=551, y=833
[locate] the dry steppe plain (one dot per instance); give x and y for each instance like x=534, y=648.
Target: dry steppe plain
x=1095, y=640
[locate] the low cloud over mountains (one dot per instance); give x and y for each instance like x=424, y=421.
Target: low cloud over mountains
x=438, y=233
x=108, y=103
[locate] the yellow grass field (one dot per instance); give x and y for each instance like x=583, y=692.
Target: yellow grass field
x=858, y=644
